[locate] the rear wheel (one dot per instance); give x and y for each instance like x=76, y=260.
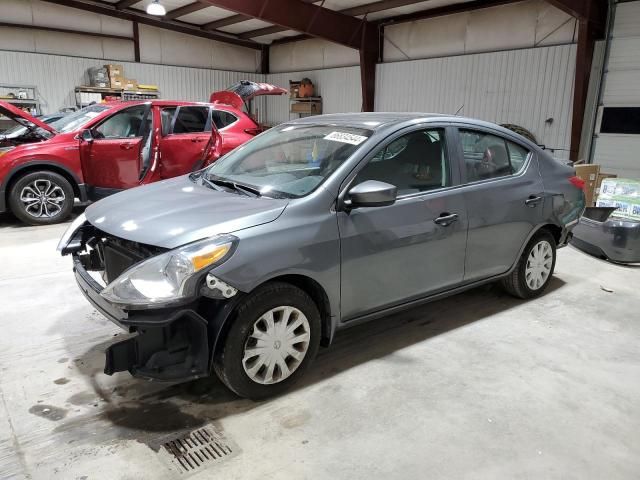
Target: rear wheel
x=274, y=337
x=41, y=198
x=535, y=267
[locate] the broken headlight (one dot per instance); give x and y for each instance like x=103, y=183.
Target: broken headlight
x=169, y=277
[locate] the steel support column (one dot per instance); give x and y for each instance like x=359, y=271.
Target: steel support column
x=584, y=59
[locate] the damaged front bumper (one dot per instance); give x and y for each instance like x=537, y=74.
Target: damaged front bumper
x=171, y=344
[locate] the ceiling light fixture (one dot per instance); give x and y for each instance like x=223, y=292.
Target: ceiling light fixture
x=155, y=8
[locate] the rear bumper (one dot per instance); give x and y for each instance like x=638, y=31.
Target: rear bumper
x=169, y=345
x=615, y=239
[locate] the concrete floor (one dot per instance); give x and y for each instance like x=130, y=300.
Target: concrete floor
x=476, y=386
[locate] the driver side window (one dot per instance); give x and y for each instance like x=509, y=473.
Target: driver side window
x=416, y=162
x=127, y=123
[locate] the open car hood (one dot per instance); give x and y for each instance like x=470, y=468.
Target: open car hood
x=243, y=91
x=23, y=118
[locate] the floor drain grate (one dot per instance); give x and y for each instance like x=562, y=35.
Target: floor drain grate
x=197, y=450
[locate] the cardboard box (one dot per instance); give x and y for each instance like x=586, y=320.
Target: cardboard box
x=589, y=173
x=115, y=70
x=306, y=107
x=117, y=82
x=130, y=84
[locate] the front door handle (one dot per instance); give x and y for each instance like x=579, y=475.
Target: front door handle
x=446, y=219
x=532, y=201
x=194, y=140
x=126, y=146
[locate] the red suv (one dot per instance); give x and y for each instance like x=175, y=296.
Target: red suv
x=105, y=148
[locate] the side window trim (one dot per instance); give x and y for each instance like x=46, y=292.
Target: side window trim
x=507, y=138
x=450, y=146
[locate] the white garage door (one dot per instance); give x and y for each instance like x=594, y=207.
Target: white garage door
x=617, y=144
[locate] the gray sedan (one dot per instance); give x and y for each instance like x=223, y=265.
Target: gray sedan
x=246, y=267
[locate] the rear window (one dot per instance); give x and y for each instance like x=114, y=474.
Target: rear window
x=223, y=119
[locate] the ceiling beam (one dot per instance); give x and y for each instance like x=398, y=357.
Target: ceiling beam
x=225, y=22
x=592, y=11
x=65, y=30
x=373, y=7
x=233, y=19
x=300, y=16
x=186, y=10
x=122, y=4
x=445, y=10
x=140, y=17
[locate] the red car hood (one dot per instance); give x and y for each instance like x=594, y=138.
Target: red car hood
x=239, y=93
x=22, y=117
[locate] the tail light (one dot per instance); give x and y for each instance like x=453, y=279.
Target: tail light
x=577, y=182
x=253, y=131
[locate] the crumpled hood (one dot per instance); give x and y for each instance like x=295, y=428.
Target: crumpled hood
x=175, y=212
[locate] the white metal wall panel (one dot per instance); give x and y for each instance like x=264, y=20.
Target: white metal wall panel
x=532, y=88
x=310, y=54
x=527, y=24
x=156, y=45
x=339, y=87
x=56, y=76
x=627, y=21
x=619, y=153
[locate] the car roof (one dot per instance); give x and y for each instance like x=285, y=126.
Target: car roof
x=160, y=103
x=390, y=121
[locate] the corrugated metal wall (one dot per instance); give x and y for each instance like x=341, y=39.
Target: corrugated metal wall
x=525, y=87
x=56, y=76
x=339, y=87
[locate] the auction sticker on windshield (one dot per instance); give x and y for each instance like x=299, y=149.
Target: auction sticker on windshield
x=345, y=137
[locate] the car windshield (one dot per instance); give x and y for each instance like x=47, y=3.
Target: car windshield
x=288, y=161
x=78, y=119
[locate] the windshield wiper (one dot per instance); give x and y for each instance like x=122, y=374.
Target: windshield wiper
x=239, y=187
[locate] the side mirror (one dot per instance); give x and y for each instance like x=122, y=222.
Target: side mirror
x=86, y=136
x=372, y=194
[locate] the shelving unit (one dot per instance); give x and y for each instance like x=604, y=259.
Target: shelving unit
x=87, y=95
x=305, y=106
x=9, y=94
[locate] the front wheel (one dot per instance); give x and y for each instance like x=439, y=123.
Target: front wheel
x=41, y=198
x=534, y=269
x=275, y=335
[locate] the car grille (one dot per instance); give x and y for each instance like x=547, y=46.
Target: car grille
x=110, y=256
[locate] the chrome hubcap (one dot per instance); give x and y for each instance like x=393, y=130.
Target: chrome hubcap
x=42, y=198
x=539, y=265
x=277, y=345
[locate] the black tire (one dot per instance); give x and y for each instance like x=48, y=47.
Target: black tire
x=516, y=283
x=228, y=361
x=42, y=178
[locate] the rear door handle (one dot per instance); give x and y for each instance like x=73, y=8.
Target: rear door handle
x=126, y=146
x=194, y=140
x=532, y=201
x=446, y=219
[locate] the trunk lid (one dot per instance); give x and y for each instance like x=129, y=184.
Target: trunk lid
x=243, y=91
